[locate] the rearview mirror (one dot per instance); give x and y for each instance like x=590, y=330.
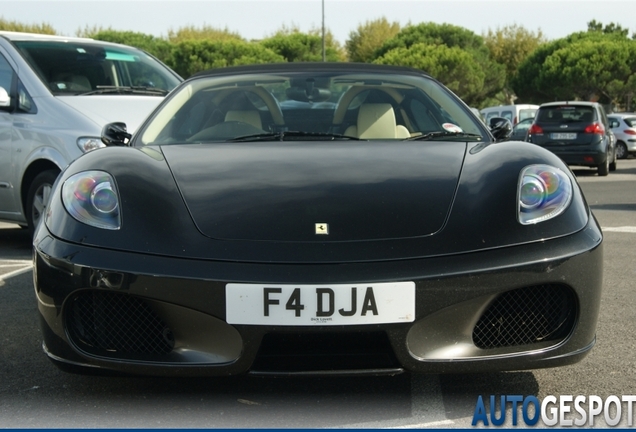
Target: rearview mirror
x=115, y=134
x=500, y=127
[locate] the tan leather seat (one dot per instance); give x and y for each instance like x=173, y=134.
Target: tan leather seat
x=251, y=117
x=377, y=121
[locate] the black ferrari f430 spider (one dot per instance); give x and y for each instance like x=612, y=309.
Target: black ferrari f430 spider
x=316, y=219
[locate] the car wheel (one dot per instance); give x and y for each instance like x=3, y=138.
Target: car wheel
x=38, y=197
x=612, y=165
x=621, y=150
x=603, y=169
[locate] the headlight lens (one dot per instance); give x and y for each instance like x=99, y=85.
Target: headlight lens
x=91, y=197
x=544, y=192
x=87, y=144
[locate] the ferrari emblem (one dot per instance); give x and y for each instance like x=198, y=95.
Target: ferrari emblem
x=322, y=228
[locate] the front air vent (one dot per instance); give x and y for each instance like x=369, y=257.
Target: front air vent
x=325, y=352
x=525, y=316
x=116, y=325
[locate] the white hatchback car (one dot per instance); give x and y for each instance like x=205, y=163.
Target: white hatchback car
x=56, y=94
x=624, y=127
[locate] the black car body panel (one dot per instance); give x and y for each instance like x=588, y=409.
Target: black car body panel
x=147, y=181
x=313, y=231
x=277, y=192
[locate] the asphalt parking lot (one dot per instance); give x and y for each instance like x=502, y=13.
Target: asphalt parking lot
x=33, y=393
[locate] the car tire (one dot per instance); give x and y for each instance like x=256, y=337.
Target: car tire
x=612, y=165
x=621, y=150
x=603, y=169
x=37, y=197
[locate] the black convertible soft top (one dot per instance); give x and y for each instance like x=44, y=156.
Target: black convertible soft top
x=311, y=66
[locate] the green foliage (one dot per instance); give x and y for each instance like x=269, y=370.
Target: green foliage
x=454, y=67
x=596, y=26
x=300, y=47
x=584, y=65
x=435, y=34
x=15, y=26
x=510, y=46
x=205, y=32
x=590, y=69
x=158, y=47
x=191, y=56
x=368, y=38
x=296, y=46
x=491, y=74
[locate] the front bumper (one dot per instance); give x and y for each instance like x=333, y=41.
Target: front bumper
x=452, y=293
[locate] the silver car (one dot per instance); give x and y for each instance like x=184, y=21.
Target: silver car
x=56, y=93
x=624, y=127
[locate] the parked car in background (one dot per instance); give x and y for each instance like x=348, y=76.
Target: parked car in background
x=624, y=127
x=56, y=94
x=249, y=231
x=514, y=113
x=577, y=132
x=520, y=130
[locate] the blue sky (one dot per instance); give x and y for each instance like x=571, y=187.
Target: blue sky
x=256, y=19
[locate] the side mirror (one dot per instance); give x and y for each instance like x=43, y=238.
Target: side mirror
x=500, y=128
x=115, y=134
x=5, y=100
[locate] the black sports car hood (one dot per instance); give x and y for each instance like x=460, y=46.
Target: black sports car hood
x=312, y=191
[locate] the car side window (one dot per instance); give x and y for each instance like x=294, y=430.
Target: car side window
x=25, y=103
x=604, y=117
x=613, y=123
x=6, y=74
x=491, y=115
x=507, y=115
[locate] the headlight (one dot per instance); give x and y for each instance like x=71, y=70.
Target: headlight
x=87, y=144
x=91, y=197
x=544, y=192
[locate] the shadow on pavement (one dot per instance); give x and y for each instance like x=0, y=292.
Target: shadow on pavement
x=15, y=242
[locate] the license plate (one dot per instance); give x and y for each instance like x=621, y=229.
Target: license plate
x=310, y=305
x=563, y=136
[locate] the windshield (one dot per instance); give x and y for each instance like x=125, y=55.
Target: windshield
x=71, y=68
x=631, y=121
x=312, y=105
x=566, y=113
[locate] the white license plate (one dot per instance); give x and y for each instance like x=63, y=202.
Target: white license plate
x=310, y=305
x=563, y=136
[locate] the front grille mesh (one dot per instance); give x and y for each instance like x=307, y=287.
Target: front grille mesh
x=526, y=315
x=115, y=324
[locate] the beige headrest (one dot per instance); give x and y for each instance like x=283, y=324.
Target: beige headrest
x=251, y=117
x=376, y=121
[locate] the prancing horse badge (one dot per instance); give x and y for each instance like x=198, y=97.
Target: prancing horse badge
x=322, y=228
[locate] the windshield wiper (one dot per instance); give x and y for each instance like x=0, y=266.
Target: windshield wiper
x=442, y=134
x=127, y=90
x=280, y=136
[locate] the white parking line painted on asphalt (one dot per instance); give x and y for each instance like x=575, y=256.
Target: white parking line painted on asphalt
x=16, y=272
x=623, y=229
x=15, y=264
x=427, y=407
